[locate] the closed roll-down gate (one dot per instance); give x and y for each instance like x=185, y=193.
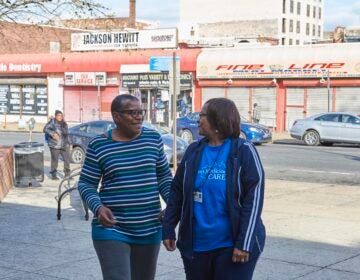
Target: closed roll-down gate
x=295, y=105
x=208, y=93
x=244, y=98
x=347, y=99
x=318, y=100
x=81, y=104
x=266, y=99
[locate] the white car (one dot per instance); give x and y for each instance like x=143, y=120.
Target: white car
x=327, y=128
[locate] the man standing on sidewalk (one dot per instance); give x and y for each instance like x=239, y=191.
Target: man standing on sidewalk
x=256, y=113
x=59, y=143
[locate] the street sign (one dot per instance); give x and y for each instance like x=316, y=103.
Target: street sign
x=161, y=63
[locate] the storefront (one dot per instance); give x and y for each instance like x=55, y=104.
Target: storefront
x=24, y=84
x=37, y=85
x=153, y=90
x=286, y=82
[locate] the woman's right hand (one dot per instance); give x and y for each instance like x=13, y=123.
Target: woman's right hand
x=56, y=136
x=169, y=244
x=106, y=217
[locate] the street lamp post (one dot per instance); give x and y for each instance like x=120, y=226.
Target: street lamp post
x=328, y=88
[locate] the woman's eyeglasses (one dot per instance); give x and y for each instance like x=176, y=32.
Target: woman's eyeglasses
x=133, y=113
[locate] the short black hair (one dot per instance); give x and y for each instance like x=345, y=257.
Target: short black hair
x=118, y=102
x=58, y=112
x=223, y=115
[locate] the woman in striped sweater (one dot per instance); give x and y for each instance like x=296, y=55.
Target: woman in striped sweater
x=123, y=174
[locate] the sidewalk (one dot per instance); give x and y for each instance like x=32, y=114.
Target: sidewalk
x=313, y=234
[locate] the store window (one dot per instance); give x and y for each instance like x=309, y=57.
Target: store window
x=283, y=25
x=298, y=26
x=24, y=99
x=284, y=6
x=298, y=8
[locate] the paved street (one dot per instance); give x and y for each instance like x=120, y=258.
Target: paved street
x=313, y=233
x=287, y=159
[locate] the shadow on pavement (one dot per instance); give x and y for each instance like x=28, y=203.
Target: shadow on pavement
x=34, y=245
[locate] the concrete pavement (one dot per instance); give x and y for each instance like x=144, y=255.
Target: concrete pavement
x=313, y=234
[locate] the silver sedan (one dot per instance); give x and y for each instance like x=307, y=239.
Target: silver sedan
x=327, y=128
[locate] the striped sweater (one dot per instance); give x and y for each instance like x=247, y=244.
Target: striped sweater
x=131, y=176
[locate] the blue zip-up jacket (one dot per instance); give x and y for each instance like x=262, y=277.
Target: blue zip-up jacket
x=245, y=196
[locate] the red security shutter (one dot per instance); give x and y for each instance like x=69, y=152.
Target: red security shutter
x=90, y=104
x=72, y=104
x=107, y=96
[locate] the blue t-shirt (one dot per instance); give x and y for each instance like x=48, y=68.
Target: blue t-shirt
x=212, y=227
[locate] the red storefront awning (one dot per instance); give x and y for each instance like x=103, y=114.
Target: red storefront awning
x=89, y=61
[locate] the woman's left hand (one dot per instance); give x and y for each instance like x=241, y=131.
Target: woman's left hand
x=240, y=256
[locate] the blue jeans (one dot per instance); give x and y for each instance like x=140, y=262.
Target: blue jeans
x=218, y=265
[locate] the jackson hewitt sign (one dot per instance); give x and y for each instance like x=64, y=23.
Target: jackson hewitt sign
x=135, y=39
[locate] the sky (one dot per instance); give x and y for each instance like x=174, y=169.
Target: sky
x=166, y=12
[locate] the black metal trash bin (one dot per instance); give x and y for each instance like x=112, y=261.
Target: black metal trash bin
x=29, y=162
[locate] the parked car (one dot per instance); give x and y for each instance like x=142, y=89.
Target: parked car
x=327, y=128
x=81, y=135
x=187, y=128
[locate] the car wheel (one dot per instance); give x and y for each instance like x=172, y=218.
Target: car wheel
x=77, y=155
x=327, y=143
x=242, y=135
x=186, y=135
x=312, y=138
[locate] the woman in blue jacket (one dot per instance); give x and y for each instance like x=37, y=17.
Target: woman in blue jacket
x=217, y=196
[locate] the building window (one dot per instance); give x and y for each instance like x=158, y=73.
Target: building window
x=292, y=6
x=308, y=10
x=314, y=12
x=307, y=28
x=298, y=26
x=283, y=41
x=319, y=13
x=297, y=42
x=313, y=30
x=290, y=42
x=25, y=99
x=319, y=31
x=283, y=25
x=291, y=26
x=298, y=8
x=284, y=6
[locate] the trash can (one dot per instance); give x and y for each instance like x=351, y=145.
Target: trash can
x=29, y=162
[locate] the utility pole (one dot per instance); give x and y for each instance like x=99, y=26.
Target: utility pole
x=328, y=88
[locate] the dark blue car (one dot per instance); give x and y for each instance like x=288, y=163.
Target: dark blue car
x=80, y=136
x=187, y=128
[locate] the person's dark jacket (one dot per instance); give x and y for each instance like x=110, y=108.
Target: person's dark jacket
x=61, y=128
x=245, y=195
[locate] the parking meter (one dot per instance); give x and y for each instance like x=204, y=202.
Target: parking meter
x=31, y=124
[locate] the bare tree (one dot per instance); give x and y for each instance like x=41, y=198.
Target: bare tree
x=37, y=11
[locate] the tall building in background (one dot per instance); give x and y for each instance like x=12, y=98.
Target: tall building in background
x=291, y=22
